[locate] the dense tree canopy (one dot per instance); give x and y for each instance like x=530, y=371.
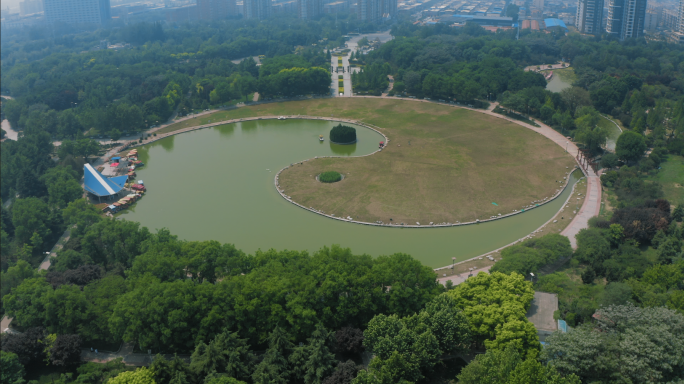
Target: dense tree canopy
x=495, y=305
x=533, y=254
x=626, y=343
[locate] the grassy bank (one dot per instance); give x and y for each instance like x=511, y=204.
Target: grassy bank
x=566, y=74
x=671, y=176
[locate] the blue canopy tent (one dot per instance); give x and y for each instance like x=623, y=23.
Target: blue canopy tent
x=550, y=23
x=99, y=185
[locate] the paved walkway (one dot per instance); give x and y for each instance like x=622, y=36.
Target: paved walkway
x=5, y=323
x=10, y=133
x=541, y=311
x=390, y=87
x=461, y=277
x=590, y=208
x=545, y=67
x=346, y=76
x=126, y=354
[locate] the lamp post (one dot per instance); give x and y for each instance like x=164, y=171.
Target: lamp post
x=566, y=146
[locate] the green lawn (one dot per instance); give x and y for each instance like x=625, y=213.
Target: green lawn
x=566, y=74
x=457, y=164
x=671, y=176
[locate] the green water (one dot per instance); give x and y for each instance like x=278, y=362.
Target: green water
x=557, y=84
x=613, y=133
x=217, y=184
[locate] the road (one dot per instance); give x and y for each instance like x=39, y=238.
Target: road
x=346, y=76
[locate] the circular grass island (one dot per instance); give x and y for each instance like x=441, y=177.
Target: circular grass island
x=343, y=134
x=444, y=165
x=330, y=177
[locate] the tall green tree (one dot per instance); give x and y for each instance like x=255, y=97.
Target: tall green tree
x=274, y=368
x=26, y=303
x=226, y=353
x=29, y=218
x=630, y=146
x=139, y=376
x=62, y=186
x=495, y=306
x=313, y=362
x=627, y=343
x=80, y=214
x=506, y=367
x=11, y=370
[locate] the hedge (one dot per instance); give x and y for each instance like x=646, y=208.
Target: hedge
x=329, y=177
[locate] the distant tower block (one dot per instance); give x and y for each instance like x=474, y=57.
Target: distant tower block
x=626, y=18
x=590, y=16
x=309, y=9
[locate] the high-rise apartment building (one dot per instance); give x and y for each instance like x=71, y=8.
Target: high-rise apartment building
x=389, y=8
x=375, y=10
x=626, y=18
x=670, y=19
x=589, y=16
x=539, y=4
x=77, y=11
x=336, y=7
x=216, y=9
x=309, y=9
x=652, y=19
x=29, y=7
x=257, y=9
x=369, y=10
